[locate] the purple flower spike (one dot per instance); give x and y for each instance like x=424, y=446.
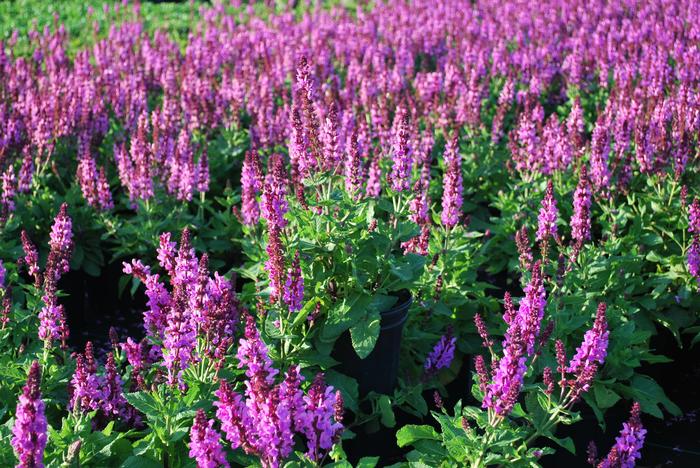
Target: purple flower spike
x=374, y=187
x=294, y=287
x=400, y=177
x=29, y=431
x=519, y=343
x=483, y=331
x=331, y=147
x=522, y=242
x=590, y=354
x=595, y=343
x=9, y=188
x=441, y=356
x=581, y=219
x=694, y=217
x=251, y=185
x=26, y=172
x=113, y=405
x=319, y=424
x=180, y=339
x=275, y=263
x=482, y=373
x=502, y=394
x=547, y=219
x=252, y=354
x=166, y=253
x=452, y=192
x=353, y=167
x=694, y=258
x=628, y=444
x=86, y=395
x=274, y=203
x=31, y=258
x=61, y=241
x=600, y=152
x=205, y=447
x=104, y=195
x=531, y=309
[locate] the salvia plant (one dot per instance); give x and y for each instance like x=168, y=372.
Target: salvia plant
x=217, y=218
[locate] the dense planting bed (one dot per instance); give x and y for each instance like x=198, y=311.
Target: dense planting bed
x=431, y=233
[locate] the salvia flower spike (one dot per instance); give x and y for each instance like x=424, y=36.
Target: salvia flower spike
x=29, y=433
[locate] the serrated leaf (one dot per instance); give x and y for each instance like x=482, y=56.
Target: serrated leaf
x=143, y=401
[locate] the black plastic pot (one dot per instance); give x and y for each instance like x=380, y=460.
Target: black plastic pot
x=378, y=371
x=93, y=305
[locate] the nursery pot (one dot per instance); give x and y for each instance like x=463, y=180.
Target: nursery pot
x=379, y=370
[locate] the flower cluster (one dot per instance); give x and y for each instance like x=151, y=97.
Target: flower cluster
x=518, y=345
x=103, y=393
x=198, y=307
x=265, y=418
x=441, y=356
x=628, y=444
x=52, y=321
x=205, y=447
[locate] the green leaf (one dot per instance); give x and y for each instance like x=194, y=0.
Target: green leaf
x=117, y=448
x=178, y=434
x=367, y=462
x=566, y=443
x=91, y=268
x=453, y=438
x=604, y=397
x=364, y=334
x=415, y=399
x=386, y=411
x=347, y=387
x=407, y=435
x=382, y=302
x=649, y=394
x=141, y=462
x=144, y=402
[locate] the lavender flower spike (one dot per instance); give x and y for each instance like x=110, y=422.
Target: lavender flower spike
x=29, y=431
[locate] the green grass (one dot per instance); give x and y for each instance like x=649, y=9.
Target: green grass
x=24, y=15
x=176, y=18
